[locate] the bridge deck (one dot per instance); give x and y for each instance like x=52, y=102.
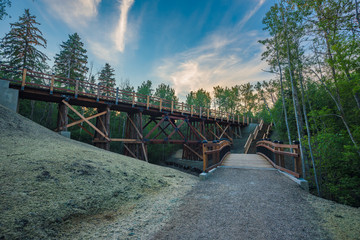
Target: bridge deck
x=246, y=161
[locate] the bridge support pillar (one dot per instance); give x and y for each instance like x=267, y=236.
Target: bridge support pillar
x=62, y=119
x=103, y=124
x=134, y=130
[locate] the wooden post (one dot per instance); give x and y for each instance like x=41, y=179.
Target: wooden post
x=117, y=96
x=297, y=162
x=147, y=102
x=103, y=124
x=172, y=106
x=207, y=113
x=182, y=108
x=160, y=107
x=200, y=112
x=23, y=79
x=62, y=120
x=77, y=88
x=192, y=110
x=52, y=83
x=204, y=157
x=133, y=99
x=98, y=92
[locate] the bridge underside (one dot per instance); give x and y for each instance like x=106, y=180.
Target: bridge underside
x=145, y=123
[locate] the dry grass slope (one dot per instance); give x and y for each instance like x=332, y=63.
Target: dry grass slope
x=48, y=181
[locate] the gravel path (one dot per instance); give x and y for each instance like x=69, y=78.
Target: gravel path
x=244, y=204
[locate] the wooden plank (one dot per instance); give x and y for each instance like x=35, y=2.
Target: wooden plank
x=103, y=126
x=155, y=127
x=23, y=79
x=87, y=121
x=88, y=118
x=196, y=131
x=144, y=151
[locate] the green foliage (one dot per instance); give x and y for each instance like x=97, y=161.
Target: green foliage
x=200, y=98
x=72, y=60
x=106, y=78
x=19, y=46
x=145, y=89
x=3, y=5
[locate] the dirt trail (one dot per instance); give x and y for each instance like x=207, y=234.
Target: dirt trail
x=256, y=204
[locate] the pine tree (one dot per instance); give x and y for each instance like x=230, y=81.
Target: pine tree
x=72, y=59
x=18, y=47
x=106, y=77
x=3, y=5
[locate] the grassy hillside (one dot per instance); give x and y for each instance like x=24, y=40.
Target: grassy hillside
x=48, y=180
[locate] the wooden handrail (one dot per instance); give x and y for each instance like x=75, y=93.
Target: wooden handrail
x=215, y=151
x=277, y=157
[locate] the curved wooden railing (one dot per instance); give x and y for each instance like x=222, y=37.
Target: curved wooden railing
x=78, y=88
x=284, y=157
x=214, y=153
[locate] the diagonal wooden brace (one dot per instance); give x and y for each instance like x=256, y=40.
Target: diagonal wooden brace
x=87, y=121
x=88, y=118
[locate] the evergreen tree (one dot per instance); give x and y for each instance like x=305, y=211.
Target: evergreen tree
x=166, y=92
x=106, y=78
x=19, y=46
x=145, y=89
x=3, y=5
x=72, y=59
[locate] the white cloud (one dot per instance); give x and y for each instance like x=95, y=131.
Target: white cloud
x=119, y=35
x=76, y=13
x=225, y=58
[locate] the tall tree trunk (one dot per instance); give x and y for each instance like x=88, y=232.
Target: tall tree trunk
x=294, y=96
x=307, y=122
x=282, y=90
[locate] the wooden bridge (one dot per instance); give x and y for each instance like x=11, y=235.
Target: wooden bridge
x=206, y=134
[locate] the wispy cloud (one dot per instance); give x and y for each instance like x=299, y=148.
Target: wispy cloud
x=251, y=13
x=119, y=36
x=224, y=58
x=76, y=13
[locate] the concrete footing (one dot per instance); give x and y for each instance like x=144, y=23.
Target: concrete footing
x=204, y=175
x=8, y=97
x=302, y=182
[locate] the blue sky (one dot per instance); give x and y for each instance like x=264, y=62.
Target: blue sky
x=189, y=44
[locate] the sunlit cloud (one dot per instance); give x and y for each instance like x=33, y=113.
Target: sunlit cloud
x=76, y=13
x=119, y=36
x=224, y=58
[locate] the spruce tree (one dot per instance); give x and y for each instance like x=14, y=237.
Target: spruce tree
x=72, y=59
x=19, y=46
x=106, y=78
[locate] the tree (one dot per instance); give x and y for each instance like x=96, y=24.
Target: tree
x=145, y=89
x=166, y=92
x=3, y=5
x=72, y=59
x=106, y=78
x=200, y=98
x=19, y=46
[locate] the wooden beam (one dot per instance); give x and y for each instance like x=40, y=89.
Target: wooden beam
x=144, y=151
x=87, y=121
x=137, y=130
x=125, y=140
x=193, y=151
x=103, y=126
x=87, y=131
x=214, y=134
x=196, y=131
x=224, y=131
x=82, y=120
x=155, y=127
x=217, y=124
x=132, y=154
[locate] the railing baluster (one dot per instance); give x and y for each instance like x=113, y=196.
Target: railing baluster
x=77, y=88
x=98, y=92
x=147, y=102
x=117, y=96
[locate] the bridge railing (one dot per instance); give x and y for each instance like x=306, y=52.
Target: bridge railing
x=253, y=136
x=76, y=87
x=284, y=157
x=214, y=153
